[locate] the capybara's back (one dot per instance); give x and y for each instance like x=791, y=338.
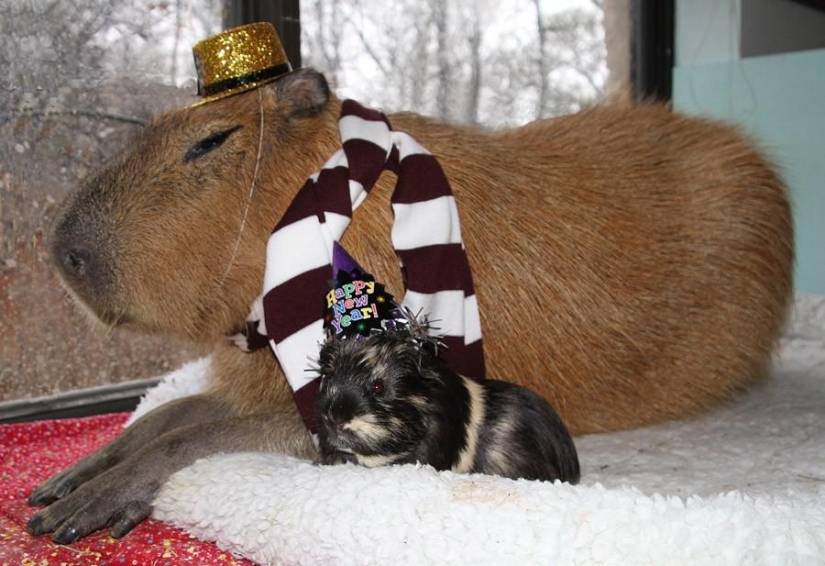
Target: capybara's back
x=631, y=265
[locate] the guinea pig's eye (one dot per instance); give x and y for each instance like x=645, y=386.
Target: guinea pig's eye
x=378, y=386
x=207, y=144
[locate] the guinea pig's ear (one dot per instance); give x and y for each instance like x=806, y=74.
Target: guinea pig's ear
x=430, y=375
x=305, y=91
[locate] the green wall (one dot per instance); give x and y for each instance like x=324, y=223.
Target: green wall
x=780, y=100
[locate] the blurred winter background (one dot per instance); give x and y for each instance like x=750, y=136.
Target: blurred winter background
x=78, y=78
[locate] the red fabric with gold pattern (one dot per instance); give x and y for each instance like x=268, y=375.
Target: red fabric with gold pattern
x=31, y=453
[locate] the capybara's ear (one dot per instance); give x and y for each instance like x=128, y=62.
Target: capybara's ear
x=305, y=91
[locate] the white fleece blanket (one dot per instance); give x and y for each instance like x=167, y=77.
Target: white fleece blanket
x=743, y=484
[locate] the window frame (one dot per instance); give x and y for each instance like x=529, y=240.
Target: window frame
x=652, y=49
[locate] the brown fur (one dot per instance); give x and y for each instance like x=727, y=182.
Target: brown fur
x=631, y=265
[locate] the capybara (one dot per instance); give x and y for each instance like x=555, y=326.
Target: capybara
x=631, y=265
x=387, y=398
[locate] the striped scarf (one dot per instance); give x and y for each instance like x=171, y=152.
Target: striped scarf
x=426, y=236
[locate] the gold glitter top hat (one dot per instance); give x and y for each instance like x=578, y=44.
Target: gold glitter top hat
x=237, y=60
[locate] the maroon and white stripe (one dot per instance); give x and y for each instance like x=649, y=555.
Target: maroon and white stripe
x=426, y=235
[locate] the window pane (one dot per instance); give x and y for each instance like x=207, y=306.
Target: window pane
x=76, y=81
x=475, y=61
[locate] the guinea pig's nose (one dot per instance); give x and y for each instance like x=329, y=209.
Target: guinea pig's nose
x=333, y=421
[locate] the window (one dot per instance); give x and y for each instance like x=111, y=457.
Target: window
x=80, y=78
x=485, y=62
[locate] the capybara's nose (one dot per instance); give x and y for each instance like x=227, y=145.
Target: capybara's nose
x=82, y=252
x=77, y=262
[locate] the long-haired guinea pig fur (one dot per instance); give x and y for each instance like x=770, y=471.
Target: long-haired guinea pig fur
x=388, y=400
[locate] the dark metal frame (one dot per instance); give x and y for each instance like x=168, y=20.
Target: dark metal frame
x=117, y=398
x=285, y=15
x=652, y=48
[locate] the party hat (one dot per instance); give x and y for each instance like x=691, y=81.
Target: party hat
x=356, y=304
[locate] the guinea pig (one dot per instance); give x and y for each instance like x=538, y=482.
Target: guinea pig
x=386, y=399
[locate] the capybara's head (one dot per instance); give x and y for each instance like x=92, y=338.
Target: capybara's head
x=170, y=236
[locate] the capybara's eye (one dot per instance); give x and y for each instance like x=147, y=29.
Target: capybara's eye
x=378, y=386
x=207, y=144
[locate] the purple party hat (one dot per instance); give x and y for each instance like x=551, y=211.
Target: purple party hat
x=356, y=304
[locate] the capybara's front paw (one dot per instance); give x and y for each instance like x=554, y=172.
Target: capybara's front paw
x=56, y=487
x=63, y=483
x=118, y=498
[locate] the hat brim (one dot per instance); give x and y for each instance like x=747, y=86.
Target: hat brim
x=237, y=90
